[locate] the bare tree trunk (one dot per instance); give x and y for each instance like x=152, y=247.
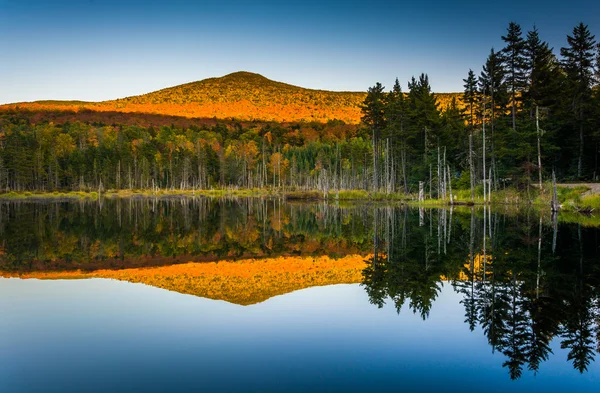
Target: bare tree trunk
x=430, y=181
x=483, y=144
x=471, y=167
x=445, y=178
x=375, y=171
x=555, y=206
x=489, y=196
x=554, y=230
x=539, y=260
x=439, y=177
x=539, y=146
x=450, y=185
x=580, y=161
x=119, y=175
x=403, y=154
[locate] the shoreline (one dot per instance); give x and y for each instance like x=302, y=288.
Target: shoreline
x=577, y=199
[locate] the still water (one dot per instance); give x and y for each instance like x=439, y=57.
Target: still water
x=255, y=295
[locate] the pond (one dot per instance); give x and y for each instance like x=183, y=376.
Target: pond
x=262, y=295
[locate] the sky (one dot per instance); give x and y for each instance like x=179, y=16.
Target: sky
x=96, y=50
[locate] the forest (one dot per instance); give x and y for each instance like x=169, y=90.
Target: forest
x=526, y=114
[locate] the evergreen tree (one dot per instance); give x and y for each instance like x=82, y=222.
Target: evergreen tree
x=579, y=66
x=541, y=71
x=424, y=120
x=396, y=120
x=542, y=96
x=373, y=110
x=493, y=90
x=515, y=63
x=470, y=98
x=470, y=95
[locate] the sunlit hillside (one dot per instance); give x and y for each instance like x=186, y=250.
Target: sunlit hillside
x=240, y=96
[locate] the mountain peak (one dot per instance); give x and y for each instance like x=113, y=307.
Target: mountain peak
x=246, y=95
x=242, y=75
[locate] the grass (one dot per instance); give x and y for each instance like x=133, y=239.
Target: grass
x=12, y=195
x=93, y=195
x=214, y=193
x=590, y=202
x=572, y=199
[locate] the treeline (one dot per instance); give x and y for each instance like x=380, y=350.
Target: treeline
x=82, y=156
x=527, y=113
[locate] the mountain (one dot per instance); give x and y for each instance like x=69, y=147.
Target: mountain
x=241, y=96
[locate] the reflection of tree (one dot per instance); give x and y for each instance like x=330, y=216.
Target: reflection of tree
x=581, y=307
x=537, y=295
x=126, y=232
x=374, y=280
x=467, y=284
x=406, y=267
x=522, y=283
x=577, y=336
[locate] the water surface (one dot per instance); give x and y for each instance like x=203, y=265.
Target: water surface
x=429, y=300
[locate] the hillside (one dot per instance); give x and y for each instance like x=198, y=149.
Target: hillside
x=242, y=96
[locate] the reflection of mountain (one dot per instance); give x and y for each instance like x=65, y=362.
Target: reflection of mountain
x=242, y=282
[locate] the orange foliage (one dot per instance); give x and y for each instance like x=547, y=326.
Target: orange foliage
x=242, y=282
x=241, y=96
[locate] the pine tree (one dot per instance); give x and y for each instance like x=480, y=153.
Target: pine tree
x=542, y=95
x=470, y=99
x=493, y=89
x=514, y=61
x=396, y=119
x=470, y=95
x=424, y=118
x=579, y=65
x=541, y=71
x=373, y=110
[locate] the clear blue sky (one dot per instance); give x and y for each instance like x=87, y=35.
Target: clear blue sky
x=105, y=49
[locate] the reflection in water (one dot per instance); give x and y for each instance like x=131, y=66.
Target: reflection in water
x=149, y=232
x=241, y=282
x=524, y=280
x=522, y=285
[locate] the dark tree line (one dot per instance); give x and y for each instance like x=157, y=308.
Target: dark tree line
x=528, y=112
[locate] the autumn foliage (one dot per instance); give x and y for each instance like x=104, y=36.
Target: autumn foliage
x=242, y=282
x=241, y=96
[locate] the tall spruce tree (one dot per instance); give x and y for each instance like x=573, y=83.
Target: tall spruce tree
x=493, y=89
x=373, y=111
x=424, y=117
x=396, y=121
x=470, y=95
x=541, y=71
x=578, y=62
x=470, y=98
x=542, y=94
x=514, y=60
